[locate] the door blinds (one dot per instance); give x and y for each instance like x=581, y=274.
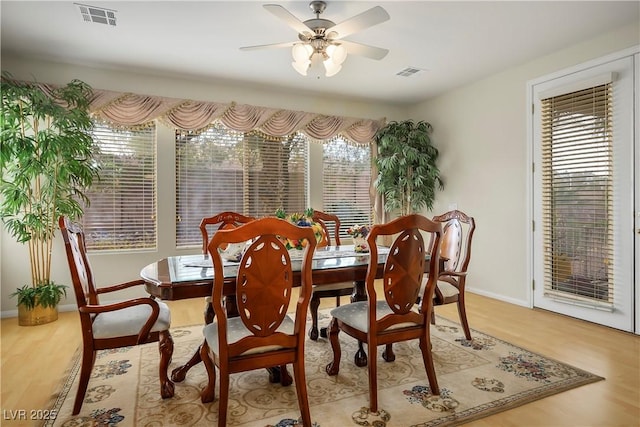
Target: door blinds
x=577, y=180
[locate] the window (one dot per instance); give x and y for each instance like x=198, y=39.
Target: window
x=225, y=170
x=122, y=213
x=577, y=160
x=346, y=182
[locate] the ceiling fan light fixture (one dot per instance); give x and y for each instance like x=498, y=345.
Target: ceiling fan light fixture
x=320, y=40
x=337, y=53
x=331, y=68
x=301, y=66
x=301, y=52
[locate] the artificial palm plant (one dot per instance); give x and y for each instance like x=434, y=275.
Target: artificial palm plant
x=46, y=160
x=407, y=171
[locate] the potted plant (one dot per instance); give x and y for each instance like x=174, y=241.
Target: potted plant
x=407, y=171
x=46, y=160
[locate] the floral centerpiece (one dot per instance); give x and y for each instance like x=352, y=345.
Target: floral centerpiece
x=359, y=234
x=301, y=220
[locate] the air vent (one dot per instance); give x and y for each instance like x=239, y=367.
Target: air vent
x=409, y=72
x=97, y=14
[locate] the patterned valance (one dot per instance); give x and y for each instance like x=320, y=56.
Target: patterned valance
x=130, y=110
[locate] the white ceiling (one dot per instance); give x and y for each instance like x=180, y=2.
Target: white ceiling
x=454, y=42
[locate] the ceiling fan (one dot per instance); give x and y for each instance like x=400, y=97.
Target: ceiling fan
x=321, y=40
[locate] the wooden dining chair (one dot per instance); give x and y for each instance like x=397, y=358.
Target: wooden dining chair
x=455, y=248
x=113, y=325
x=395, y=316
x=333, y=290
x=263, y=335
x=221, y=221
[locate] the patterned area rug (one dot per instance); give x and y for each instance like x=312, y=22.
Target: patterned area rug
x=477, y=378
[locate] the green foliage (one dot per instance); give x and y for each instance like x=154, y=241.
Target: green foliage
x=45, y=295
x=47, y=162
x=407, y=172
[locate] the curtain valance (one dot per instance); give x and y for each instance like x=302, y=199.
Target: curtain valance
x=128, y=110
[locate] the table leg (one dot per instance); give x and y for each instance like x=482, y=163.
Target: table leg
x=180, y=373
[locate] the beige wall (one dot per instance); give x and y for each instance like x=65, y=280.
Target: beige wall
x=480, y=130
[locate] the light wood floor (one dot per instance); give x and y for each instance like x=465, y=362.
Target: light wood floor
x=34, y=360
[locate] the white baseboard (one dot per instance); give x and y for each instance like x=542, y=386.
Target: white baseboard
x=14, y=313
x=523, y=303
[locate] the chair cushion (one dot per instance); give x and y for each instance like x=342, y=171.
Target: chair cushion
x=128, y=321
x=333, y=286
x=356, y=315
x=447, y=289
x=236, y=331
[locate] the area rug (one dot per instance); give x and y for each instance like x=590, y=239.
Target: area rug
x=477, y=378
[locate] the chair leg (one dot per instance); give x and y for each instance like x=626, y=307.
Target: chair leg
x=223, y=404
x=427, y=358
x=314, y=304
x=88, y=358
x=285, y=377
x=301, y=388
x=360, y=358
x=388, y=355
x=463, y=317
x=334, y=367
x=209, y=393
x=165, y=345
x=373, y=377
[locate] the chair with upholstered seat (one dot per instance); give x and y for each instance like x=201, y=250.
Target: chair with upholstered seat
x=455, y=249
x=113, y=325
x=394, y=316
x=333, y=290
x=263, y=335
x=222, y=221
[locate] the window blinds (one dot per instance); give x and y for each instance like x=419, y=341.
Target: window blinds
x=122, y=213
x=346, y=182
x=225, y=170
x=577, y=176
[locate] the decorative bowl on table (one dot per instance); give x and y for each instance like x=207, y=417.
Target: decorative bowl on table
x=301, y=220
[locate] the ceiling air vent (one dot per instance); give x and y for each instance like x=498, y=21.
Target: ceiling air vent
x=409, y=71
x=97, y=14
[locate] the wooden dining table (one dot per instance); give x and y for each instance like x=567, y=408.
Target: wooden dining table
x=191, y=276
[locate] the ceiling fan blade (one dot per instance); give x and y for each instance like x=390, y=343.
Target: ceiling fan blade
x=366, y=19
x=360, y=49
x=289, y=19
x=269, y=46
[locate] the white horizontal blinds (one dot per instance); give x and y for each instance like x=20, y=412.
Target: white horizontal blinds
x=276, y=174
x=122, y=213
x=577, y=174
x=209, y=179
x=345, y=183
x=225, y=170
